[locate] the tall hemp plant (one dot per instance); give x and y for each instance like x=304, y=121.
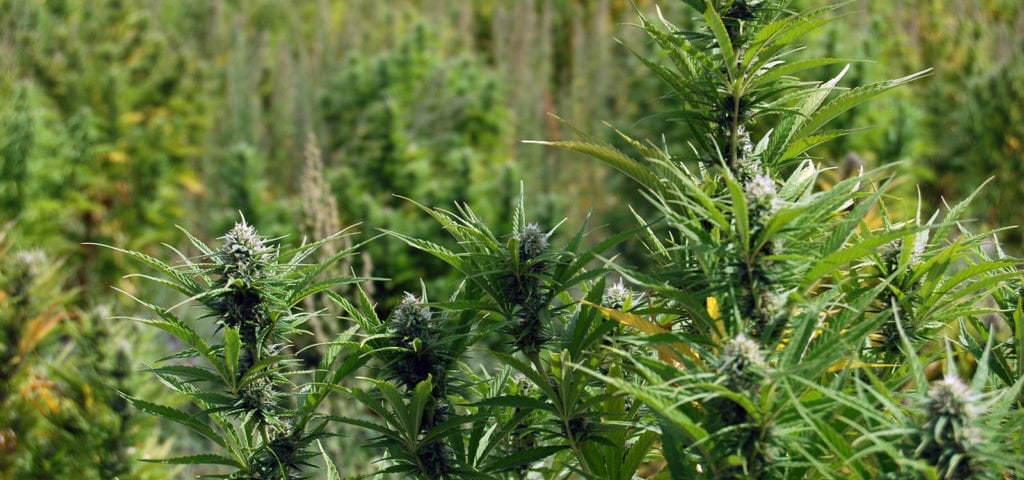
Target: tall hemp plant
x=237, y=368
x=802, y=327
x=788, y=330
x=439, y=415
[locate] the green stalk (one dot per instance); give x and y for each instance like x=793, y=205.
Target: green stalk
x=573, y=444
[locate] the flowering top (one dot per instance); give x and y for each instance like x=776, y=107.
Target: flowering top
x=242, y=242
x=532, y=241
x=616, y=296
x=952, y=398
x=411, y=317
x=762, y=194
x=741, y=352
x=740, y=362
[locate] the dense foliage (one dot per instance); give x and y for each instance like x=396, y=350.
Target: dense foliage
x=750, y=314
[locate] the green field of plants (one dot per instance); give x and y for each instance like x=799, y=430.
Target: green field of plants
x=511, y=239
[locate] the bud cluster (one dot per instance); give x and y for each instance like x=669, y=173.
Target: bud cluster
x=617, y=296
x=949, y=436
x=740, y=362
x=422, y=352
x=418, y=337
x=762, y=196
x=242, y=262
x=526, y=290
x=243, y=248
x=27, y=267
x=532, y=242
x=740, y=367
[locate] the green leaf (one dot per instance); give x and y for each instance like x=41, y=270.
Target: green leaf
x=524, y=457
x=201, y=459
x=851, y=99
x=182, y=283
x=638, y=451
x=332, y=471
x=232, y=347
x=179, y=417
x=789, y=68
x=187, y=372
x=432, y=248
x=722, y=37
x=613, y=157
x=740, y=214
x=516, y=401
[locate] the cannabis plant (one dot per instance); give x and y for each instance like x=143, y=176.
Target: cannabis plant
x=536, y=412
x=31, y=310
x=773, y=297
x=236, y=368
x=59, y=368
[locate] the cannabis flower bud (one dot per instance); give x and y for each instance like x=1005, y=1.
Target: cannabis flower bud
x=242, y=243
x=951, y=397
x=890, y=253
x=32, y=261
x=532, y=241
x=616, y=296
x=421, y=345
x=948, y=438
x=917, y=250
x=740, y=353
x=27, y=267
x=410, y=318
x=762, y=195
x=739, y=361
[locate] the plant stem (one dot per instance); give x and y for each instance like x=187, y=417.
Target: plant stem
x=565, y=418
x=734, y=134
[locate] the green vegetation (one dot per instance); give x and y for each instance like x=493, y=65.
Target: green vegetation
x=715, y=262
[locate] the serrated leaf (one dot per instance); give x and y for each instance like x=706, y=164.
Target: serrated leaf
x=524, y=457
x=179, y=417
x=332, y=471
x=613, y=157
x=516, y=401
x=187, y=372
x=851, y=99
x=201, y=459
x=722, y=38
x=232, y=347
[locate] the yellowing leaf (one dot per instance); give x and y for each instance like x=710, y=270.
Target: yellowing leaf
x=844, y=364
x=133, y=118
x=36, y=330
x=39, y=394
x=713, y=310
x=191, y=183
x=117, y=156
x=1012, y=143
x=665, y=353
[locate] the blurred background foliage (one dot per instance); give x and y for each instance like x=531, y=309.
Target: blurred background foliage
x=121, y=119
